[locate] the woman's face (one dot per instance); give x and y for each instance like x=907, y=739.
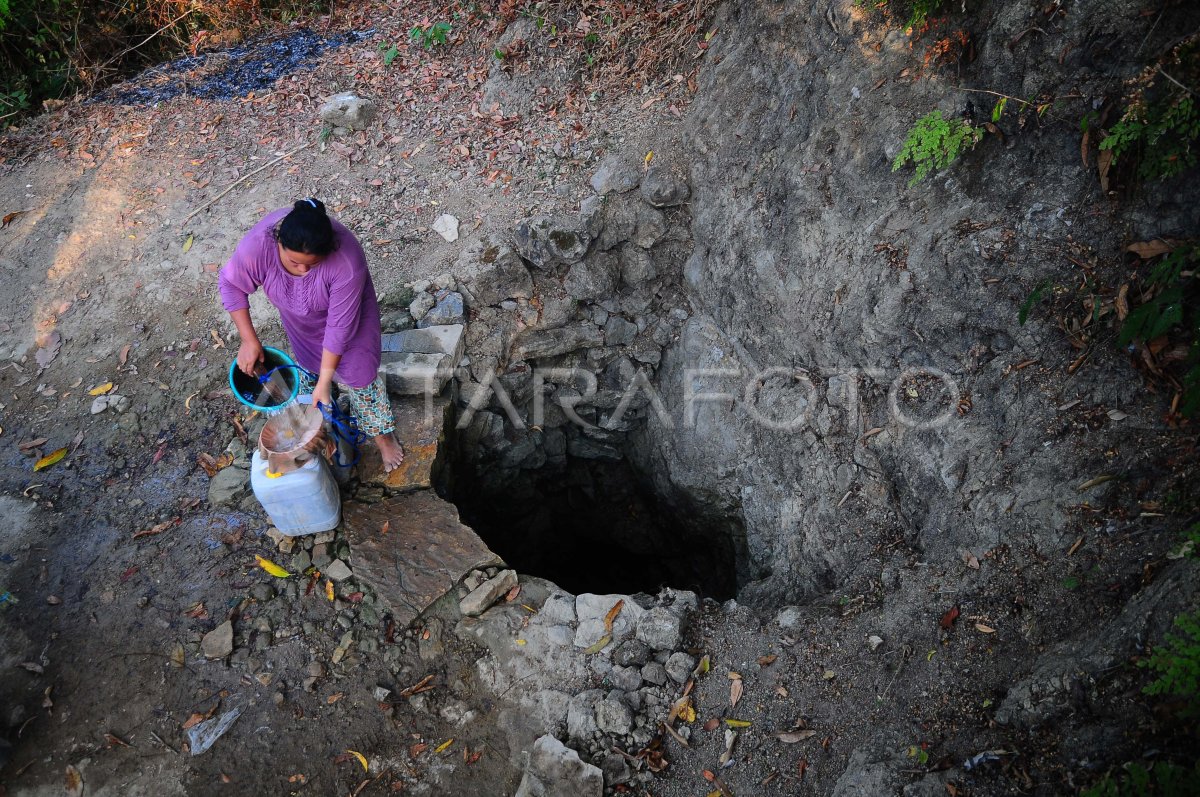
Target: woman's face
x=297, y=263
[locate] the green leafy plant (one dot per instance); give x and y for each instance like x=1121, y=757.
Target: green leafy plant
x=919, y=753
x=1159, y=132
x=1177, y=662
x=430, y=36
x=1161, y=136
x=1189, y=547
x=389, y=53
x=1161, y=779
x=935, y=143
x=1173, y=292
x=917, y=11
x=1032, y=299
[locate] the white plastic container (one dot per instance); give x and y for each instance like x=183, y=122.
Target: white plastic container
x=305, y=501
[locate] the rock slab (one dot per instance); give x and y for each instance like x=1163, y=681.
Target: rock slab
x=555, y=770
x=422, y=555
x=420, y=422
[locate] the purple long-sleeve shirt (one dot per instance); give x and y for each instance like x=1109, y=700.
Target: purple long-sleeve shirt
x=332, y=307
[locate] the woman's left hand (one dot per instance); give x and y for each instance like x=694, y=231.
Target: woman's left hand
x=323, y=394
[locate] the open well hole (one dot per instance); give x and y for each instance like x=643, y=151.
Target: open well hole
x=592, y=525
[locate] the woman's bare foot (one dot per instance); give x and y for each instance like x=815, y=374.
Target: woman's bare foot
x=391, y=451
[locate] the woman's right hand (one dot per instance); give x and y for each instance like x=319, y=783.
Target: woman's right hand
x=250, y=354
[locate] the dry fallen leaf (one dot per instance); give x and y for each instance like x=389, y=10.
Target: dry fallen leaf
x=1103, y=163
x=271, y=567
x=1148, y=249
x=50, y=459
x=30, y=444
x=73, y=782
x=9, y=218
x=735, y=690
x=984, y=629
x=970, y=560
x=1096, y=482
x=791, y=737
x=948, y=618
x=158, y=528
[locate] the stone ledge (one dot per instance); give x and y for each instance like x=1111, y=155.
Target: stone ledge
x=422, y=555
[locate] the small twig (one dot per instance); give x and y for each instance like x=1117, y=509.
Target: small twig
x=128, y=50
x=1176, y=82
x=156, y=738
x=241, y=180
x=1150, y=32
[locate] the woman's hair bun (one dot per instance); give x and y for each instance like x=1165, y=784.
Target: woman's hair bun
x=309, y=205
x=306, y=228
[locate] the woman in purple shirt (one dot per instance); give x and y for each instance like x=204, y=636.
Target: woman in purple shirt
x=314, y=271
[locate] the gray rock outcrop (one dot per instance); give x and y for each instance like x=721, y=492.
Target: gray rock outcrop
x=554, y=770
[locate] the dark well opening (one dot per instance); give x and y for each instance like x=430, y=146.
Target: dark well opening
x=593, y=525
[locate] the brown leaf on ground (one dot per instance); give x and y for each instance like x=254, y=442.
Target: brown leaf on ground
x=1122, y=302
x=767, y=661
x=1148, y=249
x=949, y=617
x=611, y=617
x=674, y=734
x=735, y=692
x=158, y=528
x=31, y=444
x=791, y=737
x=73, y=782
x=1103, y=164
x=195, y=719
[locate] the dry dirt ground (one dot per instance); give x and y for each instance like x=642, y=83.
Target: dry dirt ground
x=102, y=261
